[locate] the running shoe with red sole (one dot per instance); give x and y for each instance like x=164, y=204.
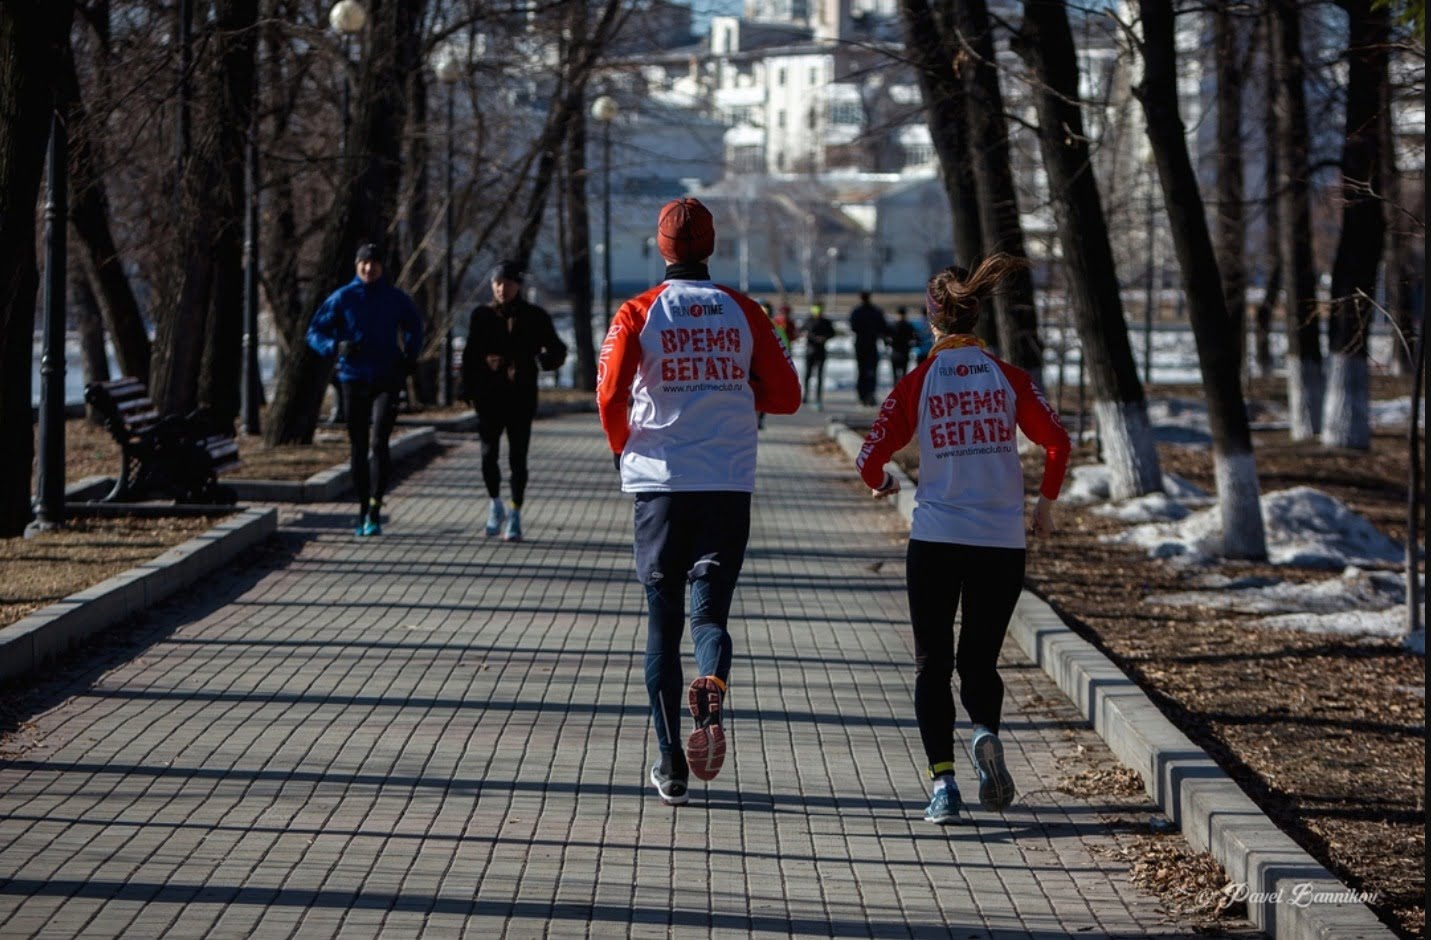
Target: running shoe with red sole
x=705, y=748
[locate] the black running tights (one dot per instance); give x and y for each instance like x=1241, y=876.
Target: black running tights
x=988, y=581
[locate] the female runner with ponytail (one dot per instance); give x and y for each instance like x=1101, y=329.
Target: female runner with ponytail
x=966, y=542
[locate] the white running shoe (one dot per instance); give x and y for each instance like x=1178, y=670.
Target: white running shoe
x=495, y=516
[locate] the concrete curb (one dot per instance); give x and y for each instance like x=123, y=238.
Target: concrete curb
x=1291, y=894
x=325, y=486
x=29, y=643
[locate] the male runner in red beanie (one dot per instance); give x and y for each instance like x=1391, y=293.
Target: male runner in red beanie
x=684, y=370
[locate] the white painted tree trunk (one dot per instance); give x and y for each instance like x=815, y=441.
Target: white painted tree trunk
x=1129, y=448
x=1239, y=498
x=1304, y=397
x=1346, y=422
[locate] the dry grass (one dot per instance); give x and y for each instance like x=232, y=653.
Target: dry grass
x=53, y=565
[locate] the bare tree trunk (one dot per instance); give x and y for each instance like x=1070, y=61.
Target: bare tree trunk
x=1398, y=266
x=89, y=215
x=1231, y=230
x=1267, y=309
x=578, y=252
x=1129, y=449
x=1234, y=467
x=363, y=209
x=221, y=370
x=933, y=50
x=1347, y=418
x=1304, y=344
x=280, y=243
x=89, y=323
x=994, y=180
x=33, y=38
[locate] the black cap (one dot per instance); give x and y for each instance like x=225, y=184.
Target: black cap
x=369, y=252
x=509, y=271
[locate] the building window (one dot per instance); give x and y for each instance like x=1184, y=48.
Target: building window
x=846, y=112
x=780, y=77
x=814, y=76
x=780, y=119
x=918, y=154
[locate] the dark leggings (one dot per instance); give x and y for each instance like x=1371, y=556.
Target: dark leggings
x=989, y=581
x=372, y=413
x=695, y=539
x=815, y=371
x=518, y=428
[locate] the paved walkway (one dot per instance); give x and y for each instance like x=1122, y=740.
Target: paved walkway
x=436, y=734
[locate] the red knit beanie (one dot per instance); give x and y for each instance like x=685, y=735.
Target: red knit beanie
x=685, y=231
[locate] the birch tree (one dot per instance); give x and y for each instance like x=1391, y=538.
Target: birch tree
x=1234, y=466
x=1045, y=43
x=1347, y=416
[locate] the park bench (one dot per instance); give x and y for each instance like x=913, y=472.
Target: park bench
x=163, y=455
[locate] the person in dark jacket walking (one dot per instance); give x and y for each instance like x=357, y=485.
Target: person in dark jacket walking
x=903, y=337
x=508, y=342
x=361, y=323
x=868, y=324
x=818, y=331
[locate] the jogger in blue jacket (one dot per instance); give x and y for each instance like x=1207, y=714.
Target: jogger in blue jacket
x=361, y=323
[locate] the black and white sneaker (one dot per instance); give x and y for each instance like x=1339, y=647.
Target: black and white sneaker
x=670, y=774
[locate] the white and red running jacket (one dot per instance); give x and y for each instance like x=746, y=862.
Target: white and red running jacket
x=694, y=361
x=966, y=406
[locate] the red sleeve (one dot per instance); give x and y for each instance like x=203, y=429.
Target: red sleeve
x=898, y=420
x=772, y=375
x=616, y=369
x=1040, y=424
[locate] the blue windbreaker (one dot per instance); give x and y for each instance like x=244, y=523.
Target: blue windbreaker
x=371, y=316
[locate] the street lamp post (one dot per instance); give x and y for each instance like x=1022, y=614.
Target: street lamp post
x=449, y=71
x=605, y=109
x=833, y=254
x=347, y=17
x=50, y=473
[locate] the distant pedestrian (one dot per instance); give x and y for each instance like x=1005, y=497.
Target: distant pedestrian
x=818, y=332
x=785, y=325
x=870, y=328
x=683, y=371
x=508, y=342
x=903, y=337
x=375, y=331
x=967, y=539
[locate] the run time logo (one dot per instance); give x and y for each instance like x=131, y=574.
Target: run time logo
x=697, y=310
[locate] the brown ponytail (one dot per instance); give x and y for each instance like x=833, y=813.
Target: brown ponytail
x=952, y=296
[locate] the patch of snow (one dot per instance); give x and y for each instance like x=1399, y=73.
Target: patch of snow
x=1388, y=623
x=1184, y=490
x=1155, y=507
x=1305, y=528
x=1089, y=483
x=1392, y=413
x=1354, y=590
x=1092, y=483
